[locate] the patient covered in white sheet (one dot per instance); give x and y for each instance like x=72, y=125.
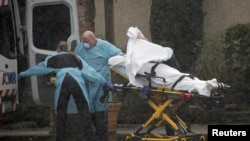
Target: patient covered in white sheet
x=142, y=55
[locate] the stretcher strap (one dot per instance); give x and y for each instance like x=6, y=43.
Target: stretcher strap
x=152, y=74
x=153, y=69
x=179, y=79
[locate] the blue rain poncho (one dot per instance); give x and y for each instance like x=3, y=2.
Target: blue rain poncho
x=98, y=57
x=89, y=80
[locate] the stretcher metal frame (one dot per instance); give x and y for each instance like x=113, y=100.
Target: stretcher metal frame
x=165, y=103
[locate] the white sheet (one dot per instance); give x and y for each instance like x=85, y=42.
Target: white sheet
x=137, y=60
x=140, y=52
x=171, y=75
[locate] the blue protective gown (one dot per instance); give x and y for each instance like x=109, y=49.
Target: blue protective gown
x=89, y=80
x=98, y=57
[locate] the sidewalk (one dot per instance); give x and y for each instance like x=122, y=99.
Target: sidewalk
x=121, y=130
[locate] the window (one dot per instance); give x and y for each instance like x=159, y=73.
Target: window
x=51, y=23
x=7, y=32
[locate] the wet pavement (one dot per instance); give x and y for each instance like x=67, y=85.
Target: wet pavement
x=44, y=134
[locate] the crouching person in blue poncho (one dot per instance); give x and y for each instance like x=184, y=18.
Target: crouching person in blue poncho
x=73, y=75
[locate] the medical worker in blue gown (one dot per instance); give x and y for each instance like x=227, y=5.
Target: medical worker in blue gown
x=96, y=52
x=72, y=75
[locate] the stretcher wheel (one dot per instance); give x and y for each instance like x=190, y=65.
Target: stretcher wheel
x=183, y=139
x=128, y=138
x=202, y=138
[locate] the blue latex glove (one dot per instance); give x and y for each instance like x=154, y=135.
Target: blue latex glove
x=19, y=76
x=110, y=85
x=145, y=90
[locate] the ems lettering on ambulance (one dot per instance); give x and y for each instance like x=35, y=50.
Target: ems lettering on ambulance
x=8, y=85
x=9, y=78
x=8, y=92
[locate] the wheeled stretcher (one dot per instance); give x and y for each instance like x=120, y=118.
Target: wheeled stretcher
x=165, y=102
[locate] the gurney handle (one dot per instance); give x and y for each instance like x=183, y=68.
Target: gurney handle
x=105, y=94
x=106, y=91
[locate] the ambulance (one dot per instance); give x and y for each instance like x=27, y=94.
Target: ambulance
x=29, y=31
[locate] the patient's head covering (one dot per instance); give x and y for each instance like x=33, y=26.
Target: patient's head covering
x=134, y=32
x=136, y=50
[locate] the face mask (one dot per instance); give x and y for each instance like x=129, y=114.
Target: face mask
x=86, y=45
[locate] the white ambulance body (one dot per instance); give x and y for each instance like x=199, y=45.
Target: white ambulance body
x=23, y=45
x=11, y=42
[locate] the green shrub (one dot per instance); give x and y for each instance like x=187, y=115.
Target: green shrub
x=228, y=60
x=178, y=24
x=237, y=54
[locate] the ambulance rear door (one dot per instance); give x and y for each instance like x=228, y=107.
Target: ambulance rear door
x=48, y=21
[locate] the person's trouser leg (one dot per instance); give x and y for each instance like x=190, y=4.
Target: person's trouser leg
x=101, y=125
x=61, y=115
x=60, y=124
x=83, y=110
